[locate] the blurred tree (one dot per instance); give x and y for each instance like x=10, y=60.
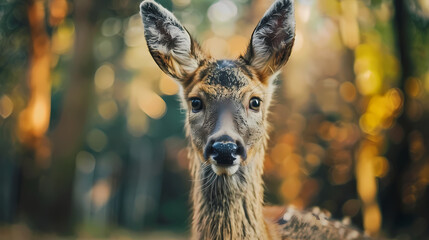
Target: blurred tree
x=47, y=185
x=403, y=209
x=66, y=137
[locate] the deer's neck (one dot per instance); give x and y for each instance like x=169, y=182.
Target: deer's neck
x=228, y=207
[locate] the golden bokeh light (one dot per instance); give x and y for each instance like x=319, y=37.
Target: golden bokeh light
x=349, y=27
x=168, y=86
x=139, y=58
x=368, y=82
x=104, y=77
x=368, y=68
x=384, y=12
x=237, y=45
x=303, y=12
x=327, y=130
x=40, y=114
x=58, y=11
x=290, y=188
x=107, y=109
x=63, y=38
x=313, y=160
x=6, y=106
x=380, y=112
x=372, y=218
x=365, y=175
x=280, y=151
x=152, y=104
x=291, y=165
x=413, y=87
x=181, y=3
x=394, y=100
x=100, y=193
x=34, y=119
x=134, y=34
x=137, y=124
x=381, y=166
x=217, y=47
x=348, y=91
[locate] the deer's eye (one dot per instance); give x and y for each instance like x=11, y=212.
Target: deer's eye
x=196, y=104
x=255, y=103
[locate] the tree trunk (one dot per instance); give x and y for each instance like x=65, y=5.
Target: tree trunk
x=34, y=119
x=67, y=136
x=46, y=197
x=393, y=209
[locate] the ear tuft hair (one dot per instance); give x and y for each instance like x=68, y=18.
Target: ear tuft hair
x=273, y=38
x=169, y=43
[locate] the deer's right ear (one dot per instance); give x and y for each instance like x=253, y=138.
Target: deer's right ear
x=169, y=43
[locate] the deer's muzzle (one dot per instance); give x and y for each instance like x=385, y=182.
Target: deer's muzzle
x=224, y=152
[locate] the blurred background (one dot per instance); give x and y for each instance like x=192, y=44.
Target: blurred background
x=92, y=141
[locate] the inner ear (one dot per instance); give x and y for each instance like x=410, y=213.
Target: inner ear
x=272, y=39
x=169, y=43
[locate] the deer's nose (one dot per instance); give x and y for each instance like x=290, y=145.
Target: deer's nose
x=224, y=150
x=224, y=153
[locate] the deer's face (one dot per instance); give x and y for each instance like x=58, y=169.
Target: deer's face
x=226, y=109
x=226, y=100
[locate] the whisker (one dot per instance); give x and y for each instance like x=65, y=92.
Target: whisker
x=204, y=167
x=209, y=182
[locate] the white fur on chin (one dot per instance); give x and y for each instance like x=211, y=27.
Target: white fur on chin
x=229, y=171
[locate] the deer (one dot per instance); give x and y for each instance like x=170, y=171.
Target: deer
x=227, y=104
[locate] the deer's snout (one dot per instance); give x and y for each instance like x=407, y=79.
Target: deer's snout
x=224, y=150
x=224, y=153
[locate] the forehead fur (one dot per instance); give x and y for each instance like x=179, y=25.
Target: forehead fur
x=225, y=73
x=223, y=76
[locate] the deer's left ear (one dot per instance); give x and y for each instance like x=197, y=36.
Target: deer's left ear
x=272, y=39
x=169, y=43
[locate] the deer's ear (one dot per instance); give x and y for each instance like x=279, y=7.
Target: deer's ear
x=272, y=39
x=169, y=43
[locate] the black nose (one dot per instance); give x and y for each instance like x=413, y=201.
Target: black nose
x=224, y=153
x=224, y=150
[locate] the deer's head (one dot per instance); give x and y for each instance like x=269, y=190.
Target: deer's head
x=227, y=101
